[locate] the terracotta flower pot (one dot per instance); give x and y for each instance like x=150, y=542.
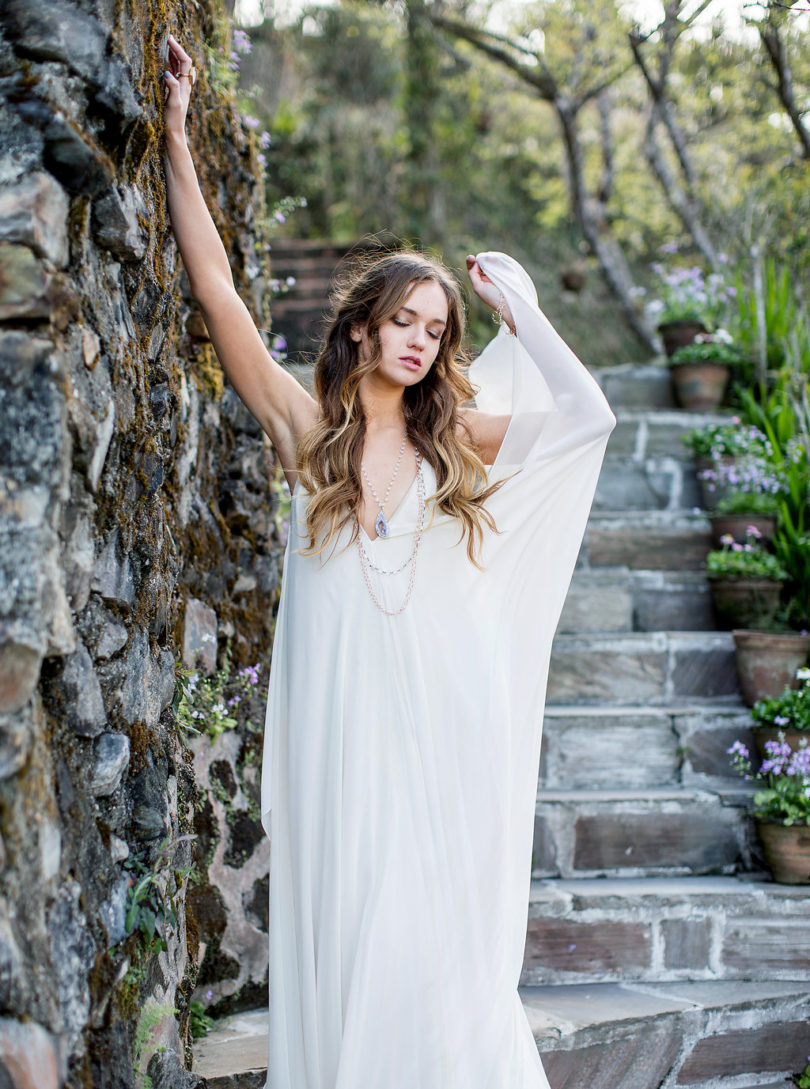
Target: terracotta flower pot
x=735, y=525
x=744, y=603
x=767, y=661
x=677, y=334
x=699, y=387
x=787, y=851
x=573, y=278
x=793, y=738
x=710, y=498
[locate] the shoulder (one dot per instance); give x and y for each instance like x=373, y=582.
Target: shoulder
x=485, y=430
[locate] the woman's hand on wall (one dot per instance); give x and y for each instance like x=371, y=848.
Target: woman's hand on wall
x=178, y=82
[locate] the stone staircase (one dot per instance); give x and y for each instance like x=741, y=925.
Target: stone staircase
x=658, y=952
x=298, y=313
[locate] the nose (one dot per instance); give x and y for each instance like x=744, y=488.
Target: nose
x=417, y=337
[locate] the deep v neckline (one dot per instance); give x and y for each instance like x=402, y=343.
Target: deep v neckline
x=395, y=512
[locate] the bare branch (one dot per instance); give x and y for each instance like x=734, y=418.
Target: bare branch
x=541, y=79
x=774, y=45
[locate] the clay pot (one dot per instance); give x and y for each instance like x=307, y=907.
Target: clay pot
x=573, y=278
x=735, y=525
x=699, y=387
x=677, y=334
x=744, y=603
x=767, y=661
x=787, y=851
x=710, y=499
x=793, y=738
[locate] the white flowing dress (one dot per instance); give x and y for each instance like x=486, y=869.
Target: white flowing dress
x=401, y=753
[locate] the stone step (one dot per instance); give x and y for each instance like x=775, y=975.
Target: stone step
x=655, y=831
x=644, y=433
x=637, y=386
x=666, y=1035
x=605, y=746
x=642, y=667
x=616, y=599
x=655, y=929
x=651, y=483
x=308, y=285
x=605, y=1036
x=647, y=540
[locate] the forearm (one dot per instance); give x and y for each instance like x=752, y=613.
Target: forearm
x=204, y=256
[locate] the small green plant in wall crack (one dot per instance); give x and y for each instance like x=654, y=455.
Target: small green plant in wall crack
x=149, y=1019
x=207, y=705
x=152, y=895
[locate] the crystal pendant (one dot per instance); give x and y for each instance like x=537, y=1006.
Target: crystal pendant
x=381, y=525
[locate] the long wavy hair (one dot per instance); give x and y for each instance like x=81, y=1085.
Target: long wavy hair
x=370, y=292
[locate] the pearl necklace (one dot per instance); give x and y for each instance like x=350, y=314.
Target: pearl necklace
x=381, y=523
x=367, y=564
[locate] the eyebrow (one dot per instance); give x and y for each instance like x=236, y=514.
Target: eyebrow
x=433, y=321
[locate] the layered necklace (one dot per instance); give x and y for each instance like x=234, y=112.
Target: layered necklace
x=381, y=525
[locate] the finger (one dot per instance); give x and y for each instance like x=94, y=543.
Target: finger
x=178, y=51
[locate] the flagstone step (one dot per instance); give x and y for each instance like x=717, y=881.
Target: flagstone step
x=605, y=1036
x=647, y=540
x=637, y=746
x=656, y=831
x=645, y=433
x=636, y=386
x=667, y=1035
x=655, y=929
x=620, y=599
x=652, y=483
x=642, y=667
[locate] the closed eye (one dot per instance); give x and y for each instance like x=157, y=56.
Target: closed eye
x=404, y=324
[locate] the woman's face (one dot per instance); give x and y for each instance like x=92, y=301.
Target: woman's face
x=409, y=341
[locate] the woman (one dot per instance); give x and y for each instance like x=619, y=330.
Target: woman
x=431, y=547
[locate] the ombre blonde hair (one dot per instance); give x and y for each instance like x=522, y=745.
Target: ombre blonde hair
x=369, y=293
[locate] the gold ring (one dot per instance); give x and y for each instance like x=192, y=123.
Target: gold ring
x=191, y=76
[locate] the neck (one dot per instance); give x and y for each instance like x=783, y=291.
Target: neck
x=382, y=404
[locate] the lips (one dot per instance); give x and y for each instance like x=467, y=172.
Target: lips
x=411, y=361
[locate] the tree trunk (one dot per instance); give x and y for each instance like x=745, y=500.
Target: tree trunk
x=590, y=216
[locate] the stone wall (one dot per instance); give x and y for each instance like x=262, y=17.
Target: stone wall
x=137, y=518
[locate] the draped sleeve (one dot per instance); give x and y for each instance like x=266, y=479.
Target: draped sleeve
x=550, y=459
x=556, y=406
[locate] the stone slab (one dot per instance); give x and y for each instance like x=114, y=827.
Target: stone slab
x=597, y=602
x=622, y=669
x=772, y=1047
x=634, y=386
x=705, y=669
x=237, y=1045
x=647, y=544
x=638, y=1060
x=568, y=945
x=697, y=841
x=687, y=943
x=627, y=751
x=781, y=945
x=671, y=601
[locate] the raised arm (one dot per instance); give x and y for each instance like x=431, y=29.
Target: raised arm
x=552, y=404
x=281, y=405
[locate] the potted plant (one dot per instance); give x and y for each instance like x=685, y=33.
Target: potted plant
x=781, y=807
x=741, y=515
x=745, y=583
x=788, y=712
x=689, y=303
x=768, y=661
x=700, y=370
x=721, y=452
